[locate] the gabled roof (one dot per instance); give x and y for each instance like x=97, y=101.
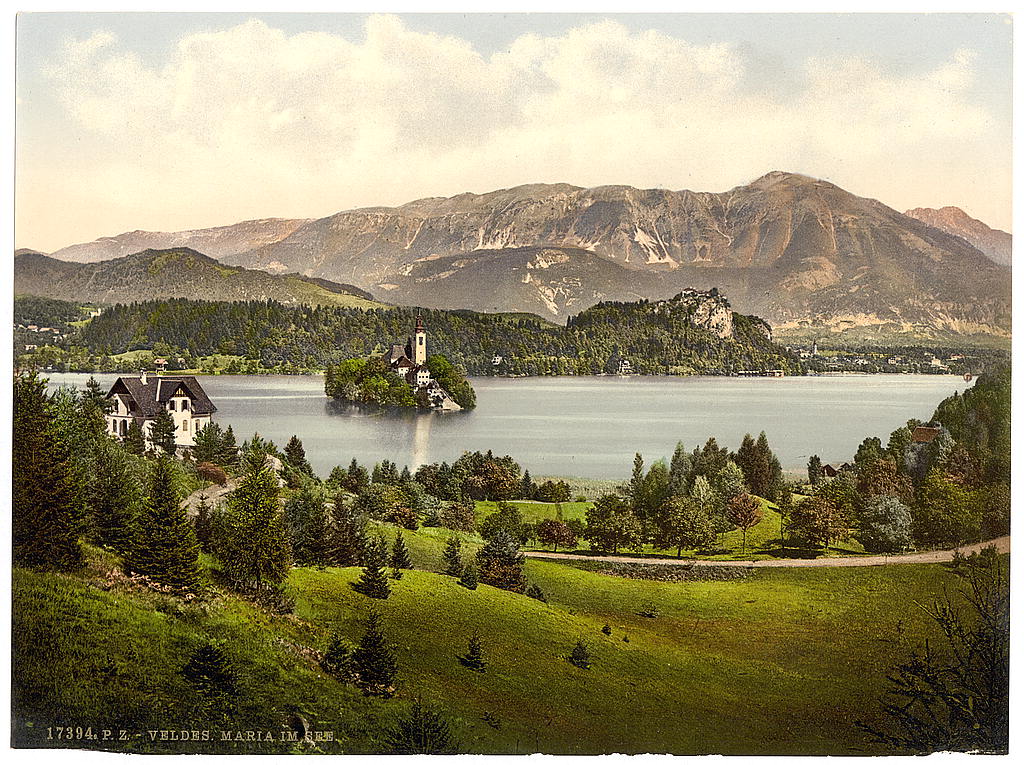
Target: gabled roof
x=151, y=398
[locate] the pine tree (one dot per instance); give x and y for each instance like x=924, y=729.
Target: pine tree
x=422, y=731
x=373, y=661
x=165, y=549
x=501, y=563
x=474, y=658
x=255, y=552
x=135, y=439
x=48, y=490
x=453, y=556
x=295, y=455
x=469, y=576
x=306, y=515
x=337, y=659
x=162, y=432
x=814, y=470
x=373, y=582
x=207, y=443
x=679, y=471
x=227, y=451
x=205, y=525
x=636, y=483
x=346, y=538
x=580, y=656
x=400, y=553
x=114, y=497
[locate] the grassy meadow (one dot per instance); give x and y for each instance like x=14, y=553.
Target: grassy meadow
x=781, y=661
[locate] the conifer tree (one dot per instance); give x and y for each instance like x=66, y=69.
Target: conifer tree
x=255, y=552
x=165, y=548
x=453, y=556
x=205, y=525
x=295, y=455
x=207, y=443
x=337, y=659
x=373, y=661
x=48, y=490
x=501, y=562
x=135, y=439
x=162, y=432
x=346, y=536
x=400, y=553
x=422, y=731
x=636, y=483
x=373, y=582
x=679, y=471
x=469, y=576
x=114, y=497
x=580, y=656
x=474, y=658
x=227, y=451
x=814, y=470
x=306, y=515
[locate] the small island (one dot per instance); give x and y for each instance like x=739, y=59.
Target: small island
x=403, y=376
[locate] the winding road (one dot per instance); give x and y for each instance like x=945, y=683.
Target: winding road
x=1002, y=545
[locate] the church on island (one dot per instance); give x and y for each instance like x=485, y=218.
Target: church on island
x=409, y=362
x=142, y=398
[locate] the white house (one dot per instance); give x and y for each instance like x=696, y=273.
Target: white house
x=410, y=362
x=142, y=398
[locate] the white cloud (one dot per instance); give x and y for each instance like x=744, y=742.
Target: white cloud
x=252, y=121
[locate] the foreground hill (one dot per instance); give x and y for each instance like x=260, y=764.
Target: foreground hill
x=745, y=666
x=181, y=272
x=787, y=247
x=215, y=242
x=998, y=245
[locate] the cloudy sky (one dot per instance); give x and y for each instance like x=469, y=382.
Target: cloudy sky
x=168, y=122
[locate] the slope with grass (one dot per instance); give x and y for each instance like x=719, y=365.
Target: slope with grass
x=752, y=665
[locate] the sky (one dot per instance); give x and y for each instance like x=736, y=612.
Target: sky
x=167, y=122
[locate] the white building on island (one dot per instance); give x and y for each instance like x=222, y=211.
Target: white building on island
x=410, y=362
x=142, y=398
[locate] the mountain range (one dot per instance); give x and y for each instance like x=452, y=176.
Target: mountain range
x=173, y=273
x=798, y=251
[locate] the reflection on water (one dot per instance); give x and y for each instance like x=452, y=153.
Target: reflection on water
x=588, y=427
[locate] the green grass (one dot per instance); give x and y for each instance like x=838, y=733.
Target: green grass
x=782, y=662
x=538, y=511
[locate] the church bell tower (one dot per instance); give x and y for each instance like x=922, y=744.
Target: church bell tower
x=420, y=342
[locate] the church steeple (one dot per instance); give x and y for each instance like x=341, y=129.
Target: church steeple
x=420, y=342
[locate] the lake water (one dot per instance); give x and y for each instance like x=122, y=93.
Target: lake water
x=581, y=426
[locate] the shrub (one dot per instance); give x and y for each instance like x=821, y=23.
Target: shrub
x=580, y=656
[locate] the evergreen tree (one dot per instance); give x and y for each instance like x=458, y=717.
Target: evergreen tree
x=207, y=443
x=255, y=552
x=162, y=432
x=453, y=556
x=474, y=658
x=135, y=439
x=205, y=526
x=336, y=480
x=373, y=582
x=636, y=483
x=165, y=549
x=730, y=482
x=528, y=489
x=814, y=470
x=400, y=555
x=227, y=452
x=346, y=536
x=306, y=514
x=337, y=659
x=373, y=661
x=501, y=563
x=48, y=492
x=295, y=455
x=422, y=731
x=580, y=656
x=469, y=576
x=114, y=497
x=210, y=672
x=358, y=479
x=679, y=471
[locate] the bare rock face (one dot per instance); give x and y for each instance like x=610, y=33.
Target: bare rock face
x=215, y=242
x=998, y=245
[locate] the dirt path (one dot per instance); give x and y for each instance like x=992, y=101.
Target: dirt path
x=212, y=494
x=935, y=556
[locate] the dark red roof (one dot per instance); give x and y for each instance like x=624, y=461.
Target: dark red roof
x=924, y=435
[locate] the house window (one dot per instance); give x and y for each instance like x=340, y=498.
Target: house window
x=184, y=405
x=184, y=426
x=170, y=406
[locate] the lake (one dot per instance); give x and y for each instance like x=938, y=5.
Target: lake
x=588, y=427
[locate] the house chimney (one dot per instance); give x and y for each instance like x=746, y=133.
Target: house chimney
x=142, y=377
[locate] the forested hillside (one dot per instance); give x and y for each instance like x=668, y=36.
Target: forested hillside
x=688, y=334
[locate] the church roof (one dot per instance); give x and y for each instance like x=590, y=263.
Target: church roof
x=150, y=398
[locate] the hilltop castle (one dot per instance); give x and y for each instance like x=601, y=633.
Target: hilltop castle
x=409, y=362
